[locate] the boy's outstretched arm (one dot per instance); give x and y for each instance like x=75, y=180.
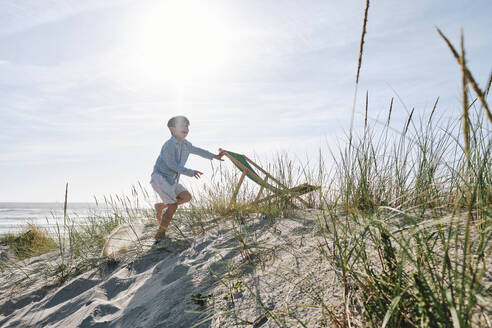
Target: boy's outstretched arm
x=206, y=154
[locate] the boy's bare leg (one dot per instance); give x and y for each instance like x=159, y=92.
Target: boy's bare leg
x=159, y=207
x=183, y=197
x=166, y=219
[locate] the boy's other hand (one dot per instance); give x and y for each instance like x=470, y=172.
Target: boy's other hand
x=219, y=156
x=197, y=174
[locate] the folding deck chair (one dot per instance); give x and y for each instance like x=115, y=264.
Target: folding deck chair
x=244, y=164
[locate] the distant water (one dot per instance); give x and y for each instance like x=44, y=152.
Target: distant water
x=14, y=217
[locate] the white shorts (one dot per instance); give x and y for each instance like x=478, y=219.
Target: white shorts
x=166, y=191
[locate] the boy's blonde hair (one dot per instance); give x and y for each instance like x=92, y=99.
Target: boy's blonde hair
x=177, y=119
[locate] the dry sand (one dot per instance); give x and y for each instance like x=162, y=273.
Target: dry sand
x=276, y=278
x=209, y=282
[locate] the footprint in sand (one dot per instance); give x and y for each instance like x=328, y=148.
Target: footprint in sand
x=114, y=286
x=95, y=319
x=178, y=272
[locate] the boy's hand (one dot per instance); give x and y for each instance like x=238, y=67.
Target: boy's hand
x=219, y=156
x=197, y=174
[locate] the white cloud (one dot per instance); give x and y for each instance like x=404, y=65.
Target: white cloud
x=17, y=16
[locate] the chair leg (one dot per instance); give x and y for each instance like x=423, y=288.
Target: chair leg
x=302, y=201
x=261, y=189
x=298, y=197
x=234, y=195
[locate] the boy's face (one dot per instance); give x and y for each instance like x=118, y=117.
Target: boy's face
x=180, y=131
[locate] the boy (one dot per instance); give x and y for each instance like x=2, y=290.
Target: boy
x=169, y=166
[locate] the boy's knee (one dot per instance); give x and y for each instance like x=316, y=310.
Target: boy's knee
x=184, y=196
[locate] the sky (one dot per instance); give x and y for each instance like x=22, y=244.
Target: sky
x=87, y=87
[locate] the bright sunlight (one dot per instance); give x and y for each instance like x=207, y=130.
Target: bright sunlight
x=179, y=42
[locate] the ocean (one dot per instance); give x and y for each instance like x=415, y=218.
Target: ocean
x=14, y=217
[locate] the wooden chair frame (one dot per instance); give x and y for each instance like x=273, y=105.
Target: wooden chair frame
x=283, y=190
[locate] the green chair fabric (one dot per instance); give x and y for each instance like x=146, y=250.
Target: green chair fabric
x=252, y=173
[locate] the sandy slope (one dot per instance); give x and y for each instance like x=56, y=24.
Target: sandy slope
x=265, y=273
x=267, y=285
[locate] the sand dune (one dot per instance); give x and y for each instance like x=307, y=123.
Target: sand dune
x=209, y=282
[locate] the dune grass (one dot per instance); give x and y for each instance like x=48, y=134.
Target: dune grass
x=406, y=220
x=78, y=241
x=33, y=241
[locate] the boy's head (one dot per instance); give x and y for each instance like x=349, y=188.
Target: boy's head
x=179, y=127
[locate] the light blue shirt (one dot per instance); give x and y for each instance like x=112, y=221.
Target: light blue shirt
x=173, y=157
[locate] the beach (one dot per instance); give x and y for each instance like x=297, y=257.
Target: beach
x=265, y=272
x=180, y=283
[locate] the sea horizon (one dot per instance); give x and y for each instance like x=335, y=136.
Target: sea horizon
x=16, y=216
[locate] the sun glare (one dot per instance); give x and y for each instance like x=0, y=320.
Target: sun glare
x=179, y=41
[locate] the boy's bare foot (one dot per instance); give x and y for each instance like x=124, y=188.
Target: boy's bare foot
x=165, y=220
x=159, y=235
